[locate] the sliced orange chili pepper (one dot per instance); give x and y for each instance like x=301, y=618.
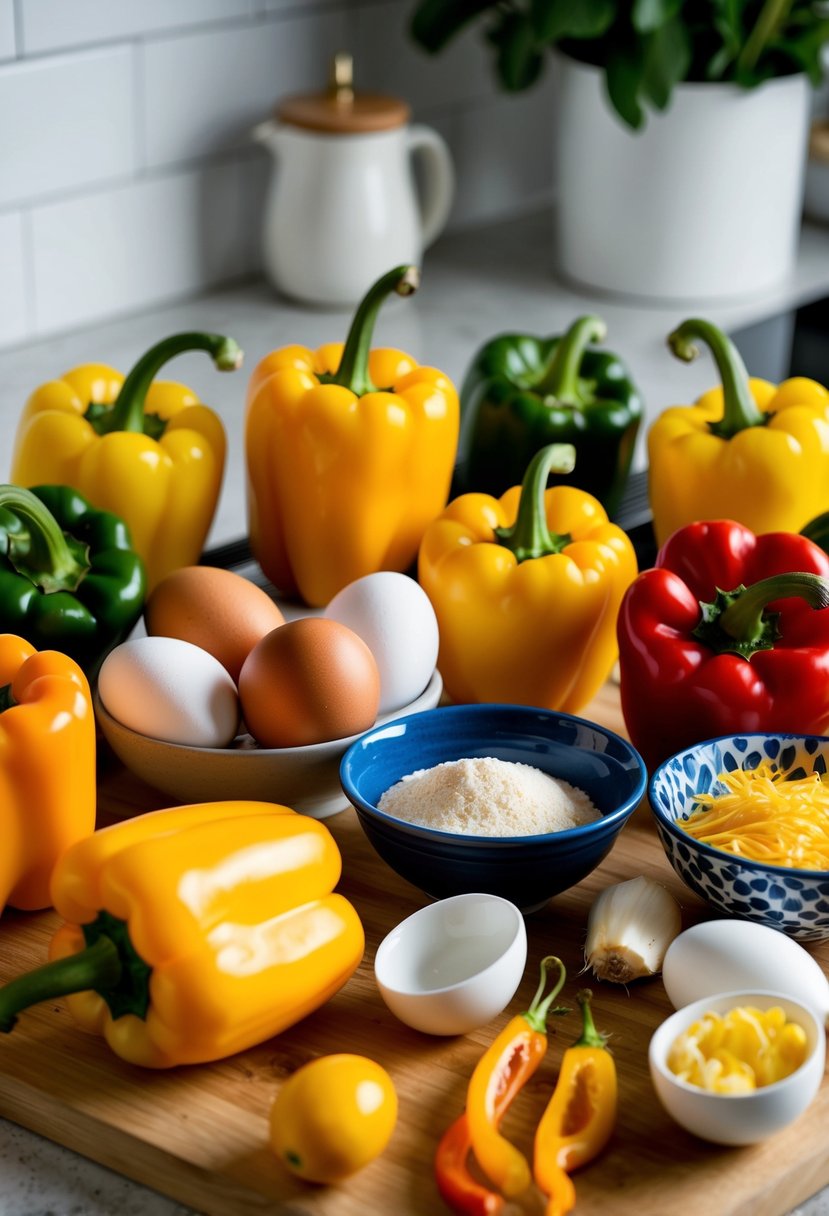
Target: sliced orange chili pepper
x=457, y=1186
x=580, y=1115
x=507, y=1065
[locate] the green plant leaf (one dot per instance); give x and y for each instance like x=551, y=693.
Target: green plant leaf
x=519, y=61
x=649, y=15
x=435, y=22
x=667, y=59
x=623, y=77
x=553, y=20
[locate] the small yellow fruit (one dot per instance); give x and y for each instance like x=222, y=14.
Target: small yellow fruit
x=332, y=1116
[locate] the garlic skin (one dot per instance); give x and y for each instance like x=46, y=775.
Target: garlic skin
x=629, y=928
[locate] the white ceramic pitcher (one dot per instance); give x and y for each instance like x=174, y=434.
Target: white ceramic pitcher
x=343, y=204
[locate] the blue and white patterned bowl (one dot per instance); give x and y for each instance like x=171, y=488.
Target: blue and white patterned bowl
x=794, y=901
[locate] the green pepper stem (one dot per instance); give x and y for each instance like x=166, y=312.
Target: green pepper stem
x=353, y=370
x=740, y=410
x=590, y=1036
x=127, y=413
x=561, y=376
x=49, y=554
x=96, y=967
x=736, y=622
x=539, y=1009
x=743, y=619
x=529, y=536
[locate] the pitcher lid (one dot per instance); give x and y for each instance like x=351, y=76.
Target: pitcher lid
x=340, y=110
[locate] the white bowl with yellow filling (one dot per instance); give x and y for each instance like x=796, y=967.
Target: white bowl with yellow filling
x=738, y=1067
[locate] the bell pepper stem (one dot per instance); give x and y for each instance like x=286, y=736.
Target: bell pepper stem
x=127, y=413
x=590, y=1036
x=353, y=370
x=740, y=410
x=96, y=967
x=561, y=377
x=539, y=1009
x=736, y=622
x=529, y=536
x=50, y=559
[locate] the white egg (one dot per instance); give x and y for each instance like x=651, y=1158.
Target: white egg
x=726, y=955
x=171, y=690
x=395, y=618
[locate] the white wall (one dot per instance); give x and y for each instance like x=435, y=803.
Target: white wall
x=127, y=176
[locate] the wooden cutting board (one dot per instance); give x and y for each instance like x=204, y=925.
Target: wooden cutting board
x=199, y=1134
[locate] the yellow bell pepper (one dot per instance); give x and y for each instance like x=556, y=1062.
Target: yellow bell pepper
x=748, y=450
x=47, y=767
x=146, y=450
x=526, y=589
x=196, y=932
x=343, y=476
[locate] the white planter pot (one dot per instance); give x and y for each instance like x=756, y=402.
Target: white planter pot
x=703, y=203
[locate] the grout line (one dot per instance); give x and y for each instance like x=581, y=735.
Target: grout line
x=30, y=290
x=150, y=173
x=17, y=17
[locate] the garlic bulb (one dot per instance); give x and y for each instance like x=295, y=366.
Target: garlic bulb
x=630, y=926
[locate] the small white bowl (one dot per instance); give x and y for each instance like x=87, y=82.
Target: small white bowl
x=737, y=1118
x=304, y=778
x=453, y=965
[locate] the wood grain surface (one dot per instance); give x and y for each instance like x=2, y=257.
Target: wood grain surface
x=199, y=1134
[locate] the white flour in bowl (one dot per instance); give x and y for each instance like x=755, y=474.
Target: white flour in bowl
x=482, y=796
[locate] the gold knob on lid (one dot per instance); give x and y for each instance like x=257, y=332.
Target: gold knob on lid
x=340, y=110
x=342, y=78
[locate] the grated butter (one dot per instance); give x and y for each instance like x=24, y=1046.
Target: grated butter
x=483, y=796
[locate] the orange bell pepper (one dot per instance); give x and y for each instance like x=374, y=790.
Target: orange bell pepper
x=196, y=932
x=47, y=767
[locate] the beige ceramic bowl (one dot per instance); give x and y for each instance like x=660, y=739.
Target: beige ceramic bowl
x=737, y=1118
x=305, y=778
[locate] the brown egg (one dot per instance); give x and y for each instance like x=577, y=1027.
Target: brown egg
x=216, y=609
x=307, y=682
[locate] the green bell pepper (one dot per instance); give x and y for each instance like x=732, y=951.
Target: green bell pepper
x=69, y=577
x=522, y=393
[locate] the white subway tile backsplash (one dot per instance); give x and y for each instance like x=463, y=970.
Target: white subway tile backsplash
x=14, y=303
x=254, y=177
x=49, y=25
x=387, y=60
x=504, y=155
x=127, y=174
x=8, y=38
x=202, y=93
x=128, y=247
x=65, y=122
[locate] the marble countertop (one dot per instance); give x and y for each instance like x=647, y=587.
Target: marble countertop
x=475, y=284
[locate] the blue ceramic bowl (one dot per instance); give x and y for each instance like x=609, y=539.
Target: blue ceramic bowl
x=528, y=870
x=795, y=901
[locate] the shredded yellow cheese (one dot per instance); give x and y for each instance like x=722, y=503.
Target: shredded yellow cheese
x=766, y=818
x=738, y=1051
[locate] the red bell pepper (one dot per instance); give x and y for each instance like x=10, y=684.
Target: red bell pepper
x=721, y=637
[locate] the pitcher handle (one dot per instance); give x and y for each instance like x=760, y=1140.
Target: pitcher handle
x=438, y=180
